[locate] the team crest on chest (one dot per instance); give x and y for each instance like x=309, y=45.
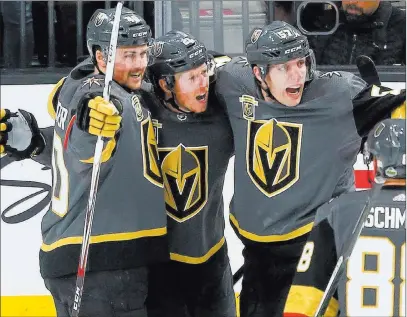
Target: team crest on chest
x=185, y=178
x=248, y=106
x=273, y=155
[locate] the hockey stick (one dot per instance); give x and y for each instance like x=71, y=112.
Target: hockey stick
x=348, y=248
x=368, y=73
x=367, y=70
x=80, y=277
x=238, y=275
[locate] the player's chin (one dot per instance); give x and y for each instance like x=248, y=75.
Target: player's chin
x=134, y=83
x=199, y=106
x=292, y=100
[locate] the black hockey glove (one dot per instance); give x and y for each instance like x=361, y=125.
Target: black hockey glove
x=20, y=136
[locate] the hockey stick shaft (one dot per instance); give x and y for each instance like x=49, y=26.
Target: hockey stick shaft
x=238, y=275
x=80, y=278
x=348, y=249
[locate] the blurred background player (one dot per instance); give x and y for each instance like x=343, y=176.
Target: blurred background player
x=129, y=228
x=195, y=144
x=374, y=281
x=303, y=130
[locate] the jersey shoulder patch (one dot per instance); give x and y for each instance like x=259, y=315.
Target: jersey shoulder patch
x=330, y=74
x=341, y=80
x=217, y=63
x=221, y=61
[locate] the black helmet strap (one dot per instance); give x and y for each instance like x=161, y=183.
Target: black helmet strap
x=170, y=81
x=262, y=85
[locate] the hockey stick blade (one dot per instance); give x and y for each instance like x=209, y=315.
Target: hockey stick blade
x=348, y=249
x=80, y=277
x=367, y=70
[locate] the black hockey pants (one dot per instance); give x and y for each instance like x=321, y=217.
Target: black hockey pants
x=192, y=290
x=106, y=294
x=268, y=271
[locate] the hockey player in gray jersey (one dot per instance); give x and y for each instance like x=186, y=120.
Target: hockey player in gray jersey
x=373, y=284
x=129, y=228
x=297, y=132
x=195, y=144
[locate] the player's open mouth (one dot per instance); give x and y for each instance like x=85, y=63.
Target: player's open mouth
x=295, y=90
x=201, y=97
x=136, y=75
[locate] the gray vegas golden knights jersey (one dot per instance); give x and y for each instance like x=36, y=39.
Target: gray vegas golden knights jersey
x=194, y=150
x=129, y=225
x=290, y=160
x=373, y=283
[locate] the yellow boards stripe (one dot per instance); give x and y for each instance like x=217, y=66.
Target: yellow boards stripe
x=40, y=306
x=33, y=306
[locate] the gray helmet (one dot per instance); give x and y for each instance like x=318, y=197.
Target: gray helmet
x=173, y=53
x=278, y=43
x=133, y=30
x=387, y=144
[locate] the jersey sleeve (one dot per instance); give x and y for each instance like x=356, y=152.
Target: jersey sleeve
x=233, y=79
x=53, y=98
x=314, y=270
x=375, y=103
x=219, y=60
x=45, y=157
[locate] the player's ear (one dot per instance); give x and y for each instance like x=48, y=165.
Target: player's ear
x=100, y=59
x=257, y=73
x=164, y=86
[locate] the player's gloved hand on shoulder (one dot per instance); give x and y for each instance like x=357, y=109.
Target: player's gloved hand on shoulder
x=20, y=136
x=99, y=117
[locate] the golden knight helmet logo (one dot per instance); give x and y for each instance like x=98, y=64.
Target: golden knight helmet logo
x=185, y=180
x=273, y=155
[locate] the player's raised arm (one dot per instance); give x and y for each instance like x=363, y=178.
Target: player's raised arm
x=375, y=103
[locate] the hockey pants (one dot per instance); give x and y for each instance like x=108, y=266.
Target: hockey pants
x=268, y=271
x=106, y=294
x=192, y=290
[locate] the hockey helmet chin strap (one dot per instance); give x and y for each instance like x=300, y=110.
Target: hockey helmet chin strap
x=261, y=83
x=172, y=101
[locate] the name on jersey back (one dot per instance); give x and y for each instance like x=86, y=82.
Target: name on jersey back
x=386, y=218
